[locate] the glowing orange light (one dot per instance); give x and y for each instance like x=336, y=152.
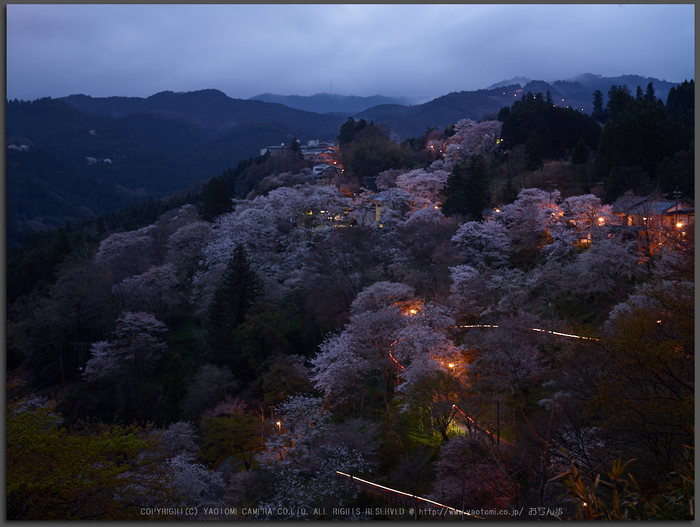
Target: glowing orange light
x=679, y=225
x=451, y=365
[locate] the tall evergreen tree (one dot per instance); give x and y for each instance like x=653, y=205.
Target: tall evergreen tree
x=295, y=148
x=466, y=191
x=637, y=136
x=217, y=199
x=598, y=114
x=239, y=289
x=649, y=94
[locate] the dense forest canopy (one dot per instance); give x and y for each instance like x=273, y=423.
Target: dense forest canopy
x=501, y=321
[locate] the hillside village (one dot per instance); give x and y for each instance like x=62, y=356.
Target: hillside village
x=496, y=315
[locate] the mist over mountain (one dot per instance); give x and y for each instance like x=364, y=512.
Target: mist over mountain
x=515, y=80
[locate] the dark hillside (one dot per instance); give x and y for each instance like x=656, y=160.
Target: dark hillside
x=44, y=192
x=597, y=82
x=333, y=103
x=211, y=108
x=413, y=120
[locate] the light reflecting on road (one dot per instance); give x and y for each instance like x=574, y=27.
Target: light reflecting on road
x=557, y=333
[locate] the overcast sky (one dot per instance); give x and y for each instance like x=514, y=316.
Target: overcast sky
x=396, y=50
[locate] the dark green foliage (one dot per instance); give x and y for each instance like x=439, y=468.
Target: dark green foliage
x=261, y=335
x=649, y=94
x=598, y=114
x=503, y=113
x=349, y=130
x=680, y=108
x=157, y=146
x=237, y=434
x=174, y=392
x=546, y=131
x=208, y=387
x=282, y=380
x=295, y=148
x=371, y=152
x=45, y=192
x=678, y=172
x=217, y=199
x=579, y=153
x=637, y=134
x=233, y=298
x=466, y=191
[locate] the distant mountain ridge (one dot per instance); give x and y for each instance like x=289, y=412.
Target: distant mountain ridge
x=209, y=108
x=591, y=82
x=89, y=155
x=334, y=103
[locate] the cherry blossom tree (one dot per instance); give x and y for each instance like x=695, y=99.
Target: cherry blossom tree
x=472, y=138
x=604, y=267
x=395, y=205
x=423, y=184
x=586, y=215
x=430, y=367
x=253, y=228
x=368, y=335
x=387, y=179
x=423, y=345
x=127, y=253
x=302, y=421
x=186, y=245
x=192, y=483
x=196, y=485
x=510, y=353
x=337, y=369
x=115, y=245
x=468, y=285
x=528, y=219
x=133, y=353
x=154, y=290
x=312, y=481
x=484, y=244
x=428, y=215
x=492, y=292
x=380, y=295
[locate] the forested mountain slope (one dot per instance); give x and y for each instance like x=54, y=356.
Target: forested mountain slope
x=482, y=329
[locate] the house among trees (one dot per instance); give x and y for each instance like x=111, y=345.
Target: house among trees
x=638, y=210
x=655, y=221
x=315, y=150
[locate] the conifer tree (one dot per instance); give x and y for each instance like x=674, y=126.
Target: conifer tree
x=598, y=114
x=238, y=290
x=467, y=189
x=217, y=199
